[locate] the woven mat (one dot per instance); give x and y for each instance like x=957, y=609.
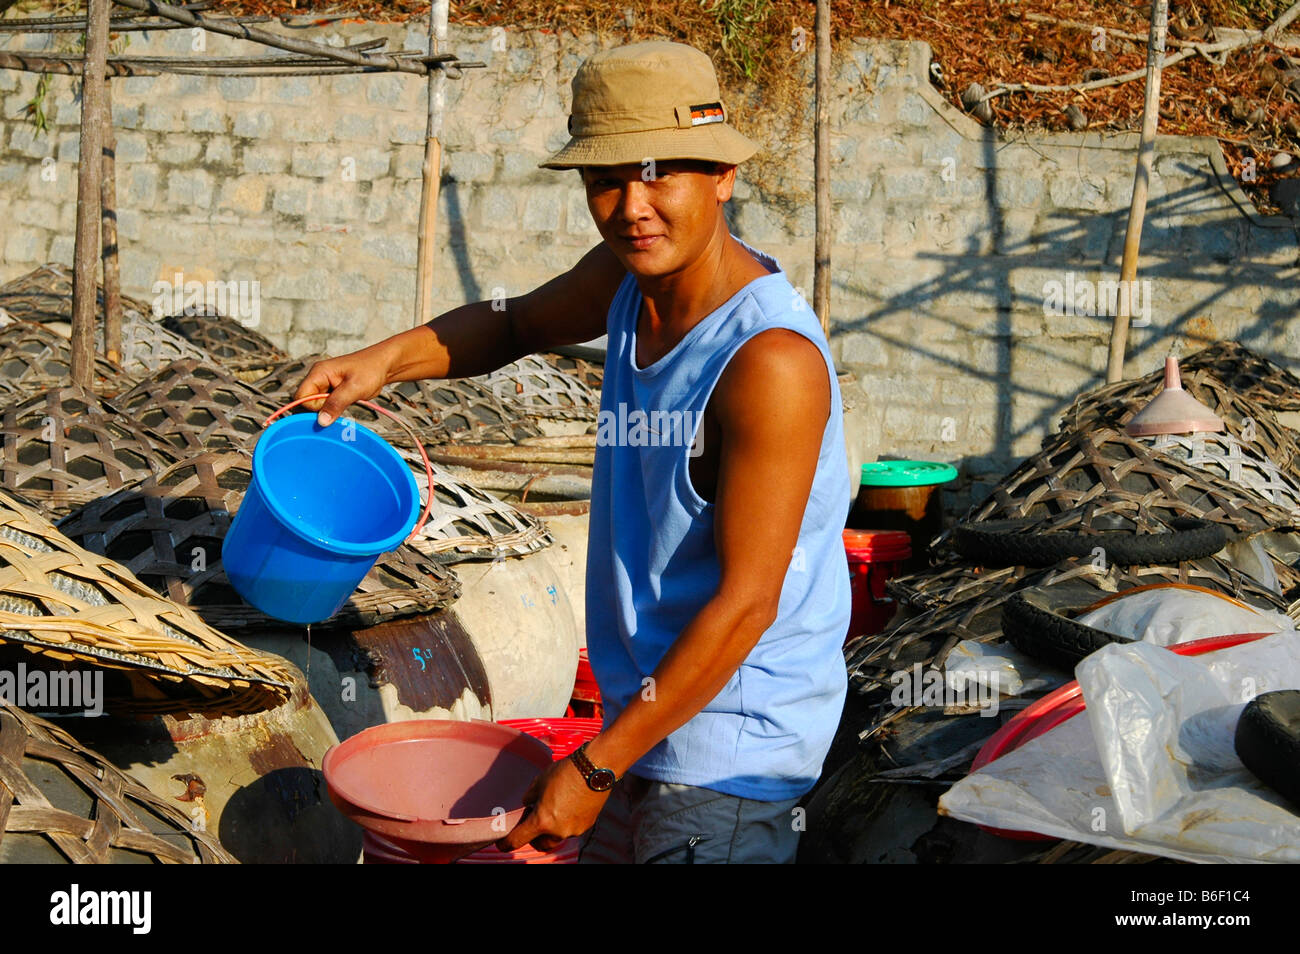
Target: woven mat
x=33, y=358
x=544, y=391
x=1104, y=479
x=54, y=792
x=44, y=295
x=1252, y=423
x=69, y=605
x=237, y=347
x=169, y=529
x=64, y=447
x=197, y=406
x=466, y=523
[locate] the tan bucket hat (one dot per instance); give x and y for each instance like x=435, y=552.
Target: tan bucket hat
x=652, y=100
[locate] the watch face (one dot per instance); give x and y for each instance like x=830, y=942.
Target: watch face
x=601, y=780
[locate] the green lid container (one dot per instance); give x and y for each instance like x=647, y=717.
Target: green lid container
x=906, y=473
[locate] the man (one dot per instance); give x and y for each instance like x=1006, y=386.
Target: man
x=717, y=585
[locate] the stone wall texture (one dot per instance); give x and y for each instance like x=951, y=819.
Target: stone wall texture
x=948, y=237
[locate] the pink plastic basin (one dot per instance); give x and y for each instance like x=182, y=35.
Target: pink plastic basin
x=435, y=788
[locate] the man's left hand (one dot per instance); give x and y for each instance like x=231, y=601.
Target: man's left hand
x=560, y=805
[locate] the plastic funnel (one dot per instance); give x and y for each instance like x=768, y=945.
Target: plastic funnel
x=437, y=789
x=1173, y=410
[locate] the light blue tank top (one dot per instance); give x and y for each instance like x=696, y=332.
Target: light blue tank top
x=652, y=564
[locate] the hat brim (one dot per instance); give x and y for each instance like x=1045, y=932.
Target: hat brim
x=715, y=142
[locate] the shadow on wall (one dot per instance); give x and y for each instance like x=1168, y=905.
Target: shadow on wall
x=983, y=271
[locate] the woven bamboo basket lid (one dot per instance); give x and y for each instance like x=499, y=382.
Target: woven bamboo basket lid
x=168, y=530
x=282, y=382
x=63, y=605
x=466, y=523
x=1252, y=423
x=588, y=372
x=147, y=346
x=1105, y=479
x=236, y=346
x=62, y=802
x=1251, y=375
x=468, y=411
x=544, y=391
x=44, y=295
x=197, y=406
x=65, y=447
x=34, y=358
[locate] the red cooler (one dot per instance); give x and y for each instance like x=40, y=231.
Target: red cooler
x=875, y=556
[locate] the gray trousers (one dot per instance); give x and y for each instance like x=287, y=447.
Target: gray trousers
x=647, y=822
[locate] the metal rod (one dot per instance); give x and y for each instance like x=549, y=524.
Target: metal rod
x=78, y=24
x=245, y=32
x=46, y=64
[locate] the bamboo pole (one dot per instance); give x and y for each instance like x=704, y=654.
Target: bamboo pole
x=1141, y=182
x=108, y=231
x=432, y=169
x=89, y=166
x=822, y=171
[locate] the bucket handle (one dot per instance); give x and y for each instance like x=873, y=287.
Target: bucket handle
x=419, y=445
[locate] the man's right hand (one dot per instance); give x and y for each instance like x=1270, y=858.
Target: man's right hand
x=358, y=376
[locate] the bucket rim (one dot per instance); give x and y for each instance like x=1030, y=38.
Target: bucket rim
x=341, y=547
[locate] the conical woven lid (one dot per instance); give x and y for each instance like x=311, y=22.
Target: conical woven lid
x=1173, y=410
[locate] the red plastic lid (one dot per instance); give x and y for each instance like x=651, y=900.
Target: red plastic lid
x=877, y=544
x=561, y=734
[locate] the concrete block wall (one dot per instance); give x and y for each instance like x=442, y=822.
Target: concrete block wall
x=947, y=236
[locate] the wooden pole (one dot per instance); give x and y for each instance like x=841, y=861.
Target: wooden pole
x=108, y=231
x=89, y=165
x=432, y=170
x=1141, y=182
x=822, y=171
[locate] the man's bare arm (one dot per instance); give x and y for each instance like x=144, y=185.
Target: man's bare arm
x=476, y=338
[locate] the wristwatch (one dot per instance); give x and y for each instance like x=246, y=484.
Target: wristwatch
x=598, y=779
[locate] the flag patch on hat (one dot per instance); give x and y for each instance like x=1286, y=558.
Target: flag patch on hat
x=707, y=113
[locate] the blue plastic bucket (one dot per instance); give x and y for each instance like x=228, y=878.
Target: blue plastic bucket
x=323, y=505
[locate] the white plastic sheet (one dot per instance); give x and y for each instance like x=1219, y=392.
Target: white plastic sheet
x=1170, y=615
x=1151, y=767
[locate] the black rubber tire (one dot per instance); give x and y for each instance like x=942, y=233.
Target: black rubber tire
x=1268, y=741
x=997, y=543
x=1050, y=637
